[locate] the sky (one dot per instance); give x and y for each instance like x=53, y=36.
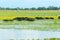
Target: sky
x=29, y=3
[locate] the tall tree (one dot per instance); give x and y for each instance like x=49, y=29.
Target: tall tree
x=52, y=8
x=41, y=8
x=26, y=8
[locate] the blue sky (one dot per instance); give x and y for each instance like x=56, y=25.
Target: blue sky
x=29, y=3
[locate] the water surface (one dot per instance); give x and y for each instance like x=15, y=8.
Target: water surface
x=7, y=34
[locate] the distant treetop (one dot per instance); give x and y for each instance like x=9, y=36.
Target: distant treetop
x=33, y=8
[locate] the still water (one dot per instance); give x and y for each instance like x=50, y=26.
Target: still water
x=8, y=34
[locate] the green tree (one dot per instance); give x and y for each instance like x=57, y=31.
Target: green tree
x=41, y=8
x=32, y=8
x=52, y=8
x=26, y=8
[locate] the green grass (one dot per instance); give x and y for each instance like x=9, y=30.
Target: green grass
x=28, y=13
x=52, y=39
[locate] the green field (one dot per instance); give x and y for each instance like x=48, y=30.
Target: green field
x=35, y=25
x=9, y=14
x=29, y=13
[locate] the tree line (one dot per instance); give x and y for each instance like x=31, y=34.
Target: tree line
x=33, y=8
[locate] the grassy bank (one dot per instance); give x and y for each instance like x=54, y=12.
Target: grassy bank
x=10, y=14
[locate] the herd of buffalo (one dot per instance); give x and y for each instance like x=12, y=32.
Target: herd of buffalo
x=29, y=19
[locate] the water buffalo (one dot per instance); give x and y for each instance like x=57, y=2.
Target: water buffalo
x=46, y=18
x=7, y=20
x=19, y=18
x=23, y=19
x=39, y=18
x=30, y=19
x=51, y=18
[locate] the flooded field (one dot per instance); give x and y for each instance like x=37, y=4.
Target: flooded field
x=42, y=25
x=30, y=30
x=13, y=34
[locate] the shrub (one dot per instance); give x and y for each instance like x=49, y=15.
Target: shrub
x=58, y=17
x=52, y=38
